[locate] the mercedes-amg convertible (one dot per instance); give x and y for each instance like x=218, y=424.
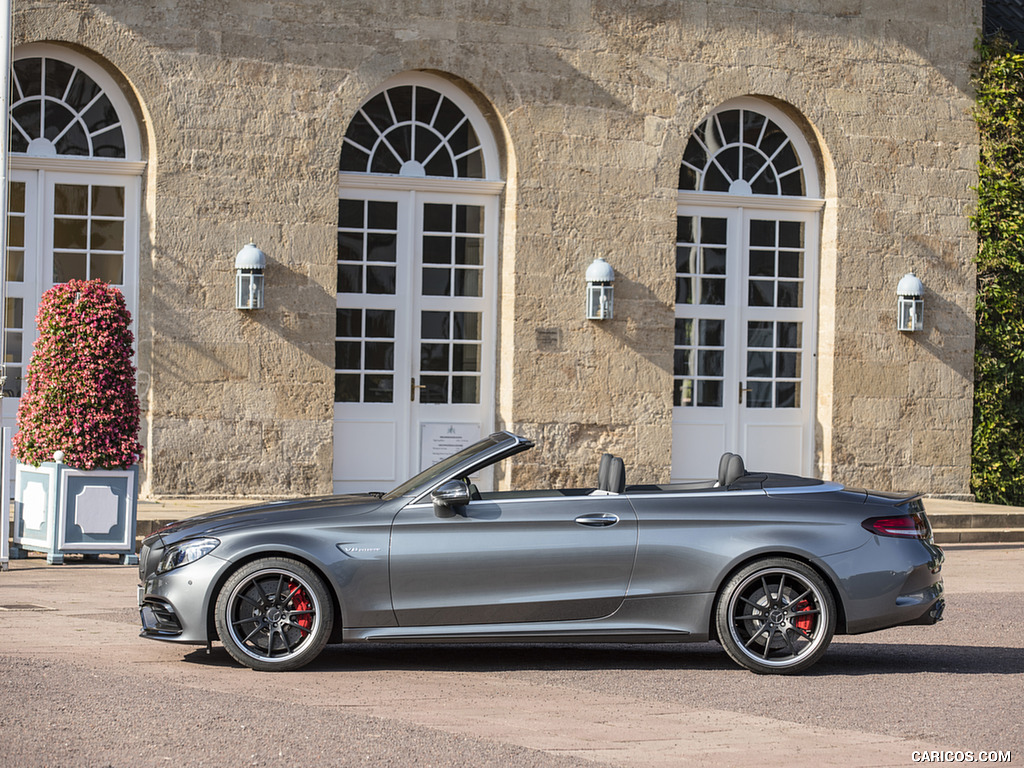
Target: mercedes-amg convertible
x=769, y=565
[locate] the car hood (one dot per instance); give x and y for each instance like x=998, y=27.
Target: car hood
x=301, y=511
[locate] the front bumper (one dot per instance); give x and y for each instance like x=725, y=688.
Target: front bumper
x=175, y=606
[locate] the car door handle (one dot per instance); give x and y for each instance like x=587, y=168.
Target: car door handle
x=597, y=521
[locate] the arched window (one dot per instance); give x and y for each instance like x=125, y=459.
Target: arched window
x=58, y=109
x=746, y=293
x=416, y=282
x=75, y=185
x=744, y=152
x=413, y=130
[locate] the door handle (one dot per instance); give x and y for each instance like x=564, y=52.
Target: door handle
x=413, y=386
x=602, y=520
x=742, y=390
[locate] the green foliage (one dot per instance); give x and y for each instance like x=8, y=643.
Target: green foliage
x=998, y=448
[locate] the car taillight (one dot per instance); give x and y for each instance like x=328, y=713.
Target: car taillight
x=913, y=526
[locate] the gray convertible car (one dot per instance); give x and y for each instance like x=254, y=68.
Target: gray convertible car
x=769, y=565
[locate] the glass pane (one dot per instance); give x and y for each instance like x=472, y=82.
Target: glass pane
x=70, y=233
x=108, y=267
x=437, y=282
x=378, y=388
x=791, y=234
x=686, y=259
x=434, y=357
x=348, y=322
x=13, y=317
x=788, y=335
x=466, y=357
x=787, y=394
x=436, y=389
x=682, y=394
x=684, y=332
x=100, y=115
x=346, y=387
x=350, y=278
x=684, y=229
x=791, y=264
x=467, y=282
x=714, y=261
x=434, y=325
x=108, y=201
x=13, y=348
x=791, y=294
x=69, y=266
x=713, y=231
x=469, y=251
x=469, y=219
x=760, y=394
x=347, y=355
x=787, y=365
x=759, y=365
x=380, y=280
x=16, y=231
x=710, y=362
x=709, y=394
x=15, y=266
x=437, y=217
x=465, y=389
x=682, y=362
x=712, y=291
x=712, y=333
x=760, y=334
x=350, y=246
x=350, y=213
x=467, y=325
x=761, y=293
x=107, y=235
x=762, y=263
x=762, y=233
x=380, y=247
x=684, y=290
x=437, y=250
x=380, y=323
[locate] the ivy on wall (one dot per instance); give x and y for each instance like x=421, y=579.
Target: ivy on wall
x=998, y=449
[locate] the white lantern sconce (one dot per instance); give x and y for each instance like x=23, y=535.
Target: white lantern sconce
x=250, y=264
x=910, y=303
x=600, y=291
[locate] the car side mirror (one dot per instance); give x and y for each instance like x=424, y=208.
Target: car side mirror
x=450, y=496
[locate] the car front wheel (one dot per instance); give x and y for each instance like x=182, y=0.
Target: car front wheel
x=274, y=614
x=776, y=616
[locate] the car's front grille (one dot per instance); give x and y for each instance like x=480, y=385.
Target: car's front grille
x=149, y=558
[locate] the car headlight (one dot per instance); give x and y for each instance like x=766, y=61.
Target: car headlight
x=185, y=552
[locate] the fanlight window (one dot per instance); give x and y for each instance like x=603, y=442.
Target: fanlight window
x=57, y=109
x=743, y=152
x=412, y=130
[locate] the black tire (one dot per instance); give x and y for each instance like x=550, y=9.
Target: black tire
x=776, y=616
x=274, y=615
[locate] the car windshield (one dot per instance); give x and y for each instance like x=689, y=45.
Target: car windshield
x=442, y=468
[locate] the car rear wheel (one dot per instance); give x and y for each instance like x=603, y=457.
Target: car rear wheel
x=776, y=616
x=274, y=614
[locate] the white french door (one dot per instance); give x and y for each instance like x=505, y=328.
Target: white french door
x=63, y=226
x=745, y=328
x=414, y=340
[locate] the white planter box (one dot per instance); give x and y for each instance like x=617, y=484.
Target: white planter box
x=60, y=510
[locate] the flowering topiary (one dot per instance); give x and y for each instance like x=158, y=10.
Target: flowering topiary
x=81, y=396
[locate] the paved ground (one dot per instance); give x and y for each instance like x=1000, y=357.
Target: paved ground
x=79, y=688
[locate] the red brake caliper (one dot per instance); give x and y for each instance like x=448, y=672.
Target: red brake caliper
x=301, y=602
x=804, y=623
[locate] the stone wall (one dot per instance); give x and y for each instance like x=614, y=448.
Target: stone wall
x=245, y=105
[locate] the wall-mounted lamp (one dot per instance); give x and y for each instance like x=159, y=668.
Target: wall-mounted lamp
x=249, y=266
x=600, y=291
x=910, y=303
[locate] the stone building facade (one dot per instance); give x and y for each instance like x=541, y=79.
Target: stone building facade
x=430, y=180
